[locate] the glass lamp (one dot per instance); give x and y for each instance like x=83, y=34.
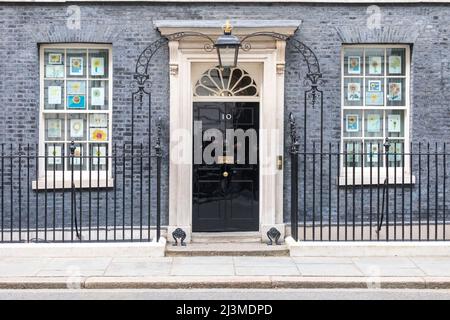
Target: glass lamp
x=227, y=46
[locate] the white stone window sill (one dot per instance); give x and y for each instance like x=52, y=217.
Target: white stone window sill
x=41, y=184
x=407, y=179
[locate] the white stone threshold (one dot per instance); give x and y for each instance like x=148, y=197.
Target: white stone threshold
x=367, y=249
x=75, y=250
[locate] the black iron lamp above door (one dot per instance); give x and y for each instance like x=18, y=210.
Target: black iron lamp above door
x=227, y=46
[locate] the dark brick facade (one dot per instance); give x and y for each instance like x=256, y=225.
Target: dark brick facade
x=128, y=27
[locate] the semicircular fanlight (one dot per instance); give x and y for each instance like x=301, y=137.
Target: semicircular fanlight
x=216, y=82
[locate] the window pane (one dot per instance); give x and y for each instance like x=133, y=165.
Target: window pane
x=98, y=127
x=373, y=123
x=98, y=120
x=395, y=157
x=98, y=156
x=374, y=62
x=373, y=153
x=396, y=61
x=395, y=123
x=353, y=92
x=55, y=156
x=54, y=94
x=353, y=62
x=374, y=91
x=98, y=95
x=98, y=134
x=352, y=123
x=76, y=87
x=98, y=63
x=54, y=127
x=76, y=94
x=76, y=101
x=352, y=150
x=79, y=160
x=77, y=127
x=396, y=92
x=54, y=63
x=76, y=63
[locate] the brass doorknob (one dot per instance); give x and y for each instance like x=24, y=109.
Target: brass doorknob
x=225, y=174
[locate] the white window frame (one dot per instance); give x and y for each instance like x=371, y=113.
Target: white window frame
x=402, y=174
x=59, y=179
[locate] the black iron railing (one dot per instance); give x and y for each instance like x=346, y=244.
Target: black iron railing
x=67, y=196
x=373, y=191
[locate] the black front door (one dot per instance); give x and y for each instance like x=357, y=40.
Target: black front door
x=226, y=192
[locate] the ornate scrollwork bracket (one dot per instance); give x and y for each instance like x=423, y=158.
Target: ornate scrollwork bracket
x=179, y=234
x=246, y=46
x=274, y=235
x=141, y=74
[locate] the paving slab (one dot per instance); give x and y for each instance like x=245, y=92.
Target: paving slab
x=389, y=271
x=203, y=260
x=70, y=273
x=143, y=259
x=388, y=266
x=138, y=268
x=433, y=266
x=438, y=260
x=263, y=261
x=395, y=262
x=202, y=270
x=66, y=264
x=18, y=260
x=267, y=271
x=323, y=260
x=342, y=270
x=435, y=269
x=14, y=267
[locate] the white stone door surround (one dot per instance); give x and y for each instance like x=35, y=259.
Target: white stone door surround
x=266, y=60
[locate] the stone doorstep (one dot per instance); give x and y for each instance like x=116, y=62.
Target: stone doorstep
x=222, y=237
x=224, y=282
x=227, y=249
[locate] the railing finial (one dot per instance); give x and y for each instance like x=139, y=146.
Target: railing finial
x=72, y=148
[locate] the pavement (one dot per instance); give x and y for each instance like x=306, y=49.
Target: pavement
x=224, y=272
